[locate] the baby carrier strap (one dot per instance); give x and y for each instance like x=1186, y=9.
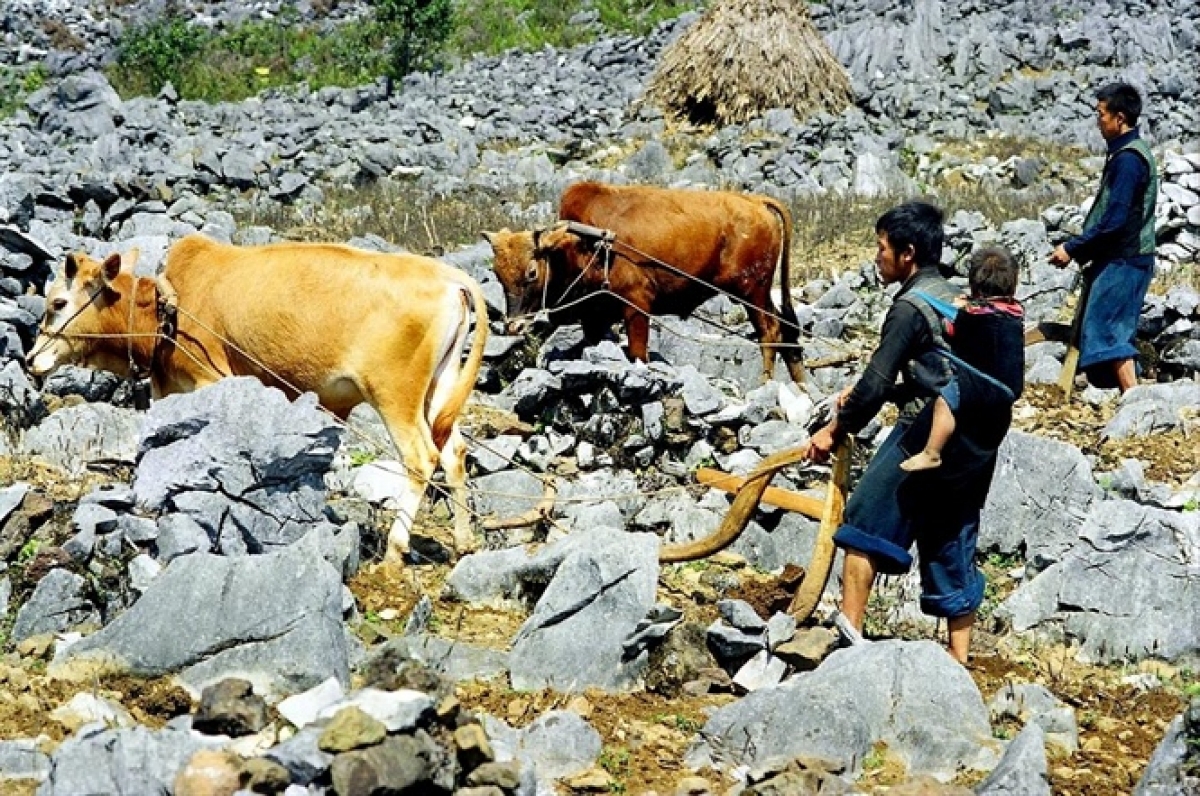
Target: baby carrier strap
x=936, y=313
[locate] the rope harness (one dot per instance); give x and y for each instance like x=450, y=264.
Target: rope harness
x=168, y=311
x=606, y=240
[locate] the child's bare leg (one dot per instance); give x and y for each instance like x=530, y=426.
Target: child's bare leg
x=939, y=434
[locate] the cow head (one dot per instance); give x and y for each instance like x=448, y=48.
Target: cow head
x=83, y=300
x=523, y=270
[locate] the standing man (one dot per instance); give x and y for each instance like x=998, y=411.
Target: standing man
x=890, y=508
x=1118, y=241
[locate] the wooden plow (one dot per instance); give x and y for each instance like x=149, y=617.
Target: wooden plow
x=754, y=488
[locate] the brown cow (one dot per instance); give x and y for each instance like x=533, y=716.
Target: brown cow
x=731, y=241
x=347, y=324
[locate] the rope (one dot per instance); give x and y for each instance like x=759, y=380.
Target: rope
x=371, y=441
x=711, y=286
x=656, y=321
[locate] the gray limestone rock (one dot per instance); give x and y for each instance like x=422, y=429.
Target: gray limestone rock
x=78, y=436
x=1146, y=409
x=22, y=758
x=58, y=603
x=926, y=709
x=241, y=460
x=274, y=619
x=1022, y=770
x=122, y=761
x=574, y=639
x=1118, y=591
x=1041, y=494
x=1171, y=770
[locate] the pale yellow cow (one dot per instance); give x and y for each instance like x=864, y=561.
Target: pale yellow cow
x=347, y=324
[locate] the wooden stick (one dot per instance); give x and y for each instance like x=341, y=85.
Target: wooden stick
x=783, y=498
x=532, y=517
x=1066, y=378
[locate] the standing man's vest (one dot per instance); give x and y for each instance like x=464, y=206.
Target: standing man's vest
x=1137, y=238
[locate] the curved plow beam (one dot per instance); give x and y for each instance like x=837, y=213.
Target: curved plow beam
x=816, y=575
x=738, y=517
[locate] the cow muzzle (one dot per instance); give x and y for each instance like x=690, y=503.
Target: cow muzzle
x=45, y=357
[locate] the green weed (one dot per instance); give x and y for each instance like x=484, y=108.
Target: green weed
x=679, y=722
x=493, y=26
x=16, y=84
x=617, y=761
x=358, y=458
x=402, y=35
x=876, y=758
x=246, y=59
x=28, y=551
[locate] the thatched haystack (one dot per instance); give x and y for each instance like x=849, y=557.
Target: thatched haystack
x=744, y=57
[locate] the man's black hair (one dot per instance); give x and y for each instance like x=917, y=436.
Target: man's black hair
x=1121, y=98
x=993, y=273
x=917, y=224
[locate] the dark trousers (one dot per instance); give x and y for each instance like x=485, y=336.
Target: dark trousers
x=891, y=509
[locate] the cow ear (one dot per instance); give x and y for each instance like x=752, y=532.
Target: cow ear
x=110, y=268
x=71, y=267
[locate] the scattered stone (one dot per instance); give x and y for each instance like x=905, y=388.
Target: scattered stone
x=231, y=708
x=351, y=728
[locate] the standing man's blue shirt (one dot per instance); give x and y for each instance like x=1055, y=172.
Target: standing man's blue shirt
x=1127, y=175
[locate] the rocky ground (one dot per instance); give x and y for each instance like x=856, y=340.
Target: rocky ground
x=139, y=598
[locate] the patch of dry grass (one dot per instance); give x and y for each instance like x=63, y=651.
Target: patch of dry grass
x=400, y=212
x=1003, y=147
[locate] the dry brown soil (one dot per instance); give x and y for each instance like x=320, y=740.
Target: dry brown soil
x=645, y=735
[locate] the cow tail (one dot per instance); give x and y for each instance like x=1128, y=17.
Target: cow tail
x=444, y=422
x=790, y=328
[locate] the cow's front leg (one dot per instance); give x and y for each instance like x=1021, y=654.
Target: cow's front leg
x=596, y=327
x=637, y=325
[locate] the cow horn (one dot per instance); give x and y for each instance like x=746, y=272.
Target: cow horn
x=557, y=226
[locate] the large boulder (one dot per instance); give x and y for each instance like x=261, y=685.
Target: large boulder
x=575, y=637
x=1151, y=408
x=273, y=619
x=120, y=761
x=84, y=107
x=240, y=459
x=78, y=436
x=1022, y=770
x=910, y=695
x=1126, y=590
x=1172, y=769
x=1041, y=493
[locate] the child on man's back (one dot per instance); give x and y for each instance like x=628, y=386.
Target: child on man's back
x=989, y=324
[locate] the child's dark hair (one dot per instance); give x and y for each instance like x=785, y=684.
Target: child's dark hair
x=993, y=272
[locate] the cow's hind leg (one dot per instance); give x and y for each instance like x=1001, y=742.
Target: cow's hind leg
x=769, y=339
x=637, y=325
x=454, y=464
x=791, y=351
x=413, y=439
